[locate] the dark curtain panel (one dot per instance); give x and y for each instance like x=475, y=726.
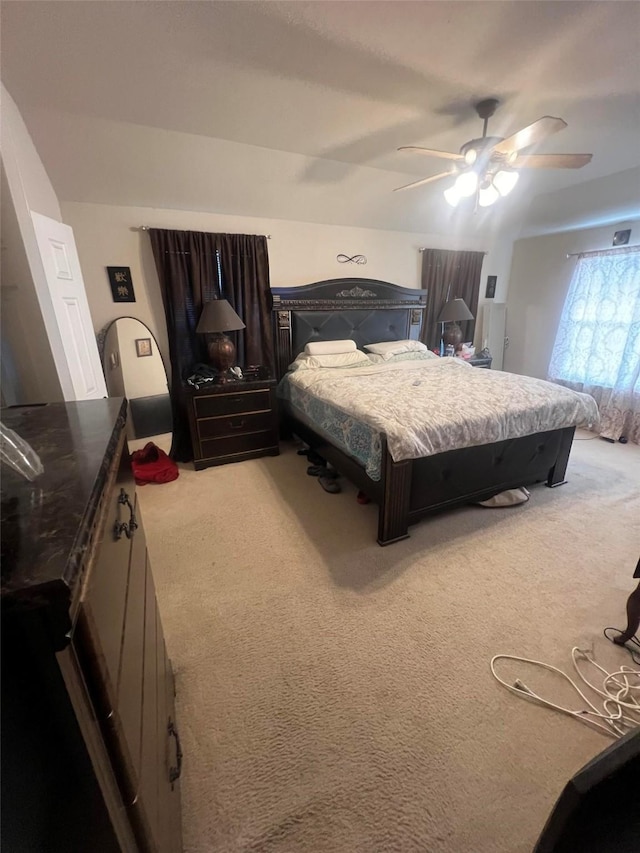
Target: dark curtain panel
x=448, y=275
x=244, y=267
x=193, y=268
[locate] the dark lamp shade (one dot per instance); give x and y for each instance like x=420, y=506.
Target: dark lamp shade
x=218, y=316
x=454, y=311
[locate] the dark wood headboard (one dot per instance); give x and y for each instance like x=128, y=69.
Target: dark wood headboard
x=363, y=309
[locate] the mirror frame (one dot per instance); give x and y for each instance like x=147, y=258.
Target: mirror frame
x=101, y=339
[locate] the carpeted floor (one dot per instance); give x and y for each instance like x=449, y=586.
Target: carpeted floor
x=335, y=696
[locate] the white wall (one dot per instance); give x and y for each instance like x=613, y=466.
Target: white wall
x=540, y=278
x=299, y=253
x=28, y=371
x=25, y=340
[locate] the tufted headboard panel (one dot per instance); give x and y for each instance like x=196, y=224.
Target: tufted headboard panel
x=364, y=310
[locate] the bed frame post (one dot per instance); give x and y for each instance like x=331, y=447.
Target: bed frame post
x=556, y=474
x=393, y=512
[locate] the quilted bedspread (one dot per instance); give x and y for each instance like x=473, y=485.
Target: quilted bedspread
x=428, y=407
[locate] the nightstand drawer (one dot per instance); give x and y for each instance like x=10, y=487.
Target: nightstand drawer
x=229, y=425
x=231, y=445
x=234, y=401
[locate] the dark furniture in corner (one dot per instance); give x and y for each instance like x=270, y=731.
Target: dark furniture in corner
x=233, y=421
x=369, y=311
x=91, y=757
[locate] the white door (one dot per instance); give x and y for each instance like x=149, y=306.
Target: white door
x=78, y=349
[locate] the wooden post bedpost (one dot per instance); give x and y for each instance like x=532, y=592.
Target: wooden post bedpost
x=393, y=512
x=556, y=474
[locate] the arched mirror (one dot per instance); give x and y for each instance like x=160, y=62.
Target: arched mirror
x=133, y=368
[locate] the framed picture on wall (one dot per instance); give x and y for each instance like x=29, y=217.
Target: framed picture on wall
x=143, y=347
x=490, y=292
x=121, y=284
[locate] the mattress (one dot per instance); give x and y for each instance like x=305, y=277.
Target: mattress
x=428, y=407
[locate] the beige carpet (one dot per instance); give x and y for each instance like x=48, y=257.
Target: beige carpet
x=335, y=696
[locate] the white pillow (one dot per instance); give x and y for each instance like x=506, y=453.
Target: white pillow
x=388, y=348
x=341, y=359
x=329, y=347
x=376, y=358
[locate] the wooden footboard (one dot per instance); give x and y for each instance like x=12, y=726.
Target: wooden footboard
x=414, y=488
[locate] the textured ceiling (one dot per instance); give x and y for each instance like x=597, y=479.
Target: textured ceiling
x=119, y=94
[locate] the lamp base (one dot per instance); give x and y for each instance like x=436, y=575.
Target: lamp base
x=452, y=336
x=222, y=354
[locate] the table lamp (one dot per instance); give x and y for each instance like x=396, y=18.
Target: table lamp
x=452, y=313
x=217, y=318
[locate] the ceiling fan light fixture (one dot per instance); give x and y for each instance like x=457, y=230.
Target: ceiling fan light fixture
x=487, y=195
x=466, y=184
x=470, y=156
x=504, y=181
x=452, y=196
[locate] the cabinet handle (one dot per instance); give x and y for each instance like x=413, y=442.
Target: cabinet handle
x=236, y=426
x=121, y=526
x=175, y=772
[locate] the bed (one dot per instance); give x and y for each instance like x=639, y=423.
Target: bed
x=405, y=489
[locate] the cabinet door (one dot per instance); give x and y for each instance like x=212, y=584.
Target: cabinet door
x=152, y=735
x=119, y=641
x=104, y=599
x=128, y=708
x=109, y=642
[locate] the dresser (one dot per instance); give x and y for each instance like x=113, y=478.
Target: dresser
x=233, y=421
x=91, y=756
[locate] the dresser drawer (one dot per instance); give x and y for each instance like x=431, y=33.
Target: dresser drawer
x=215, y=448
x=232, y=403
x=230, y=425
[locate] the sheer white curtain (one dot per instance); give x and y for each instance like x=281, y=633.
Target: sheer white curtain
x=597, y=348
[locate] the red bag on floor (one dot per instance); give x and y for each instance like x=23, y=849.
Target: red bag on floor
x=152, y=465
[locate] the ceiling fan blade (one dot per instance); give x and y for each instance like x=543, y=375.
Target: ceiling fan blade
x=530, y=135
x=430, y=152
x=552, y=161
x=425, y=181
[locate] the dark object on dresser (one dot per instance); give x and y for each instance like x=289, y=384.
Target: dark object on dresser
x=233, y=422
x=90, y=752
x=368, y=311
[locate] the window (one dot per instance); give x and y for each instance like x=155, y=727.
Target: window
x=598, y=341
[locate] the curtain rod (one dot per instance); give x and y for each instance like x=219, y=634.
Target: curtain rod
x=426, y=249
x=148, y=228
x=603, y=251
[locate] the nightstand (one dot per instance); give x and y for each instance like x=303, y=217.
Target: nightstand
x=232, y=422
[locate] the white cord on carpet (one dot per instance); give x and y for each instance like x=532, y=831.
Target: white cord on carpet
x=620, y=701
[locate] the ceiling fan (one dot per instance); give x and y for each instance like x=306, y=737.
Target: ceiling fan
x=488, y=167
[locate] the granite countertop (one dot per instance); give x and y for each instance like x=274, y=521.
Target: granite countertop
x=46, y=524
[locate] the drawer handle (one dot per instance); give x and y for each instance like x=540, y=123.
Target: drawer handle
x=122, y=526
x=175, y=772
x=238, y=425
